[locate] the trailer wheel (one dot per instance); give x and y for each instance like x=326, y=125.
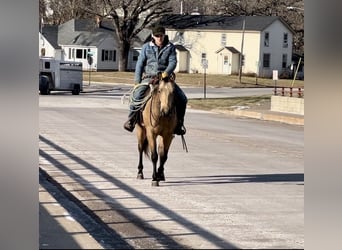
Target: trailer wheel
x=44, y=85
x=76, y=90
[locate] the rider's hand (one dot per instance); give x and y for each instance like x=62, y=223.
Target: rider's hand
x=164, y=75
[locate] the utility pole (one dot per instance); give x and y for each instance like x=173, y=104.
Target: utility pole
x=242, y=42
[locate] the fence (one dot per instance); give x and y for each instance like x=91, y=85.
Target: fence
x=289, y=91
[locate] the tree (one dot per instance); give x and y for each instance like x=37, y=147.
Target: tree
x=129, y=17
x=265, y=8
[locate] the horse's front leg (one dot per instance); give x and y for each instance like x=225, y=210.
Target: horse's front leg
x=163, y=149
x=154, y=159
x=142, y=144
x=140, y=165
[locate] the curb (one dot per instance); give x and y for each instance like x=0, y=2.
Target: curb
x=267, y=116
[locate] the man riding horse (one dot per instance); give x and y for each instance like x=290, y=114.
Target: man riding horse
x=158, y=55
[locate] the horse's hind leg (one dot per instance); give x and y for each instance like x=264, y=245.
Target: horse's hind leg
x=140, y=166
x=142, y=144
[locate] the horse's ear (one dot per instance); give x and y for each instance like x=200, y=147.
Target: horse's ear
x=159, y=75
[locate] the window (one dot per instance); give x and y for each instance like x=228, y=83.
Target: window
x=135, y=55
x=267, y=39
x=79, y=53
x=223, y=39
x=46, y=65
x=108, y=55
x=110, y=58
x=69, y=53
x=285, y=40
x=42, y=52
x=284, y=61
x=266, y=60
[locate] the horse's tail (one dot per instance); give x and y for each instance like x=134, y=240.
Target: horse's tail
x=145, y=148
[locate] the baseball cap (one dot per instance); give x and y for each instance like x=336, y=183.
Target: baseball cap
x=158, y=30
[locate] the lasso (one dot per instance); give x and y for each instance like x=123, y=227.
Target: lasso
x=138, y=104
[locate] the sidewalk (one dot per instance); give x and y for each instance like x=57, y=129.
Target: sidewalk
x=57, y=227
x=268, y=115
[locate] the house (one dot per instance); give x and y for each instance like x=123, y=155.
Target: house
x=216, y=44
x=79, y=39
x=48, y=45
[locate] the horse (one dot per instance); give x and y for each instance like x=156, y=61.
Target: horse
x=155, y=128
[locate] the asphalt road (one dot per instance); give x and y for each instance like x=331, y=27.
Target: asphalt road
x=241, y=185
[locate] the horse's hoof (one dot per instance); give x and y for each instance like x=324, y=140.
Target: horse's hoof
x=140, y=176
x=155, y=183
x=160, y=177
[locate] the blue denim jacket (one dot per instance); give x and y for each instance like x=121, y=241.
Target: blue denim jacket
x=151, y=61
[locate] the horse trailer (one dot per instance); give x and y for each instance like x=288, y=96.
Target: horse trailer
x=56, y=75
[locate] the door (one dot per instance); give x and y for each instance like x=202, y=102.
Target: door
x=226, y=66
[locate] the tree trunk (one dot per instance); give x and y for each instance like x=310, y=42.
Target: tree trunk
x=123, y=56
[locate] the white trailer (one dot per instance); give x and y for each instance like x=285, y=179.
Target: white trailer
x=56, y=75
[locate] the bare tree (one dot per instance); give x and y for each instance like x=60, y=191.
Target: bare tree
x=129, y=17
x=294, y=18
x=64, y=10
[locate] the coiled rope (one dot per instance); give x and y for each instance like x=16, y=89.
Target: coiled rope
x=134, y=103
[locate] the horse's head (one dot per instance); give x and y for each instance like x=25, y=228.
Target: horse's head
x=166, y=90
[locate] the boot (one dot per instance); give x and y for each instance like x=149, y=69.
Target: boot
x=130, y=123
x=180, y=129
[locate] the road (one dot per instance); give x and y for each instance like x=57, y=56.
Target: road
x=241, y=185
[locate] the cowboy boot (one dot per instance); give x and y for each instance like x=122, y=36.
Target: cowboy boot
x=180, y=129
x=130, y=123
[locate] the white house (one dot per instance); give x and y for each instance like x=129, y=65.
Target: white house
x=78, y=39
x=216, y=43
x=213, y=43
x=48, y=45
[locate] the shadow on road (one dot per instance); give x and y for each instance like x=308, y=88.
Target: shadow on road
x=298, y=178
x=153, y=233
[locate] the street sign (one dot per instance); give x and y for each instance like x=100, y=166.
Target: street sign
x=204, y=63
x=275, y=75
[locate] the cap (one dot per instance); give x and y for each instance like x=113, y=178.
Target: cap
x=158, y=30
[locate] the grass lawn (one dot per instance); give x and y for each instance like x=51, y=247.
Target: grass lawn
x=255, y=102
x=184, y=79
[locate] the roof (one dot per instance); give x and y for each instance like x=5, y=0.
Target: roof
x=50, y=32
x=84, y=32
x=180, y=47
x=219, y=22
x=231, y=49
x=87, y=32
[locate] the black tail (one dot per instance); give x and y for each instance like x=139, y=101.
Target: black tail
x=145, y=148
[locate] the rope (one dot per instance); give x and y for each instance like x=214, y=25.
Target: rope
x=137, y=104
x=185, y=147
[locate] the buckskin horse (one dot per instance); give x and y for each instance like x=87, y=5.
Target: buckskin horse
x=156, y=126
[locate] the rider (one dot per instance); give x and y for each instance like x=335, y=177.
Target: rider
x=158, y=55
